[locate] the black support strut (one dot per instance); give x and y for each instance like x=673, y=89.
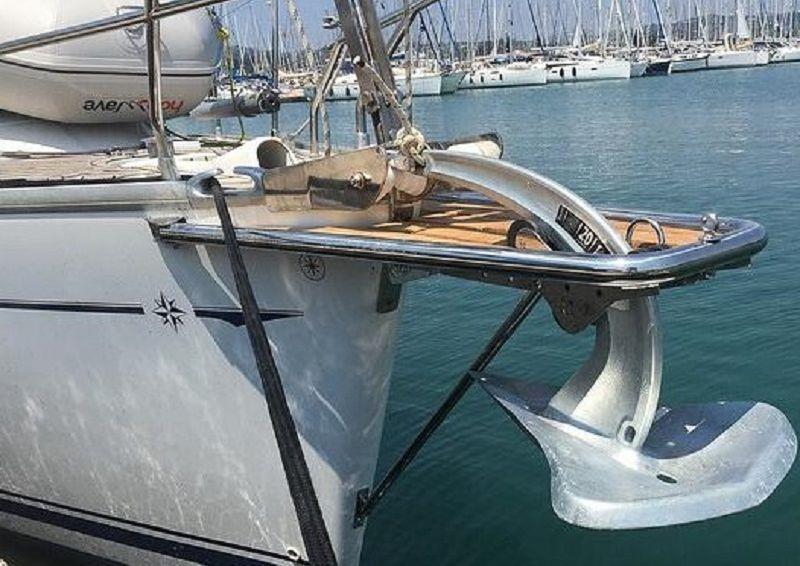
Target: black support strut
x=309, y=515
x=366, y=503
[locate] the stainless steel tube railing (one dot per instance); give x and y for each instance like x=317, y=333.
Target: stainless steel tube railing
x=166, y=159
x=734, y=247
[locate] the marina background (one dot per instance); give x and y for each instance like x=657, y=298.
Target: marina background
x=500, y=43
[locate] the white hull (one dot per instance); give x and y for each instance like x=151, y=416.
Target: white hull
x=685, y=64
x=786, y=55
x=422, y=84
x=732, y=59
x=638, y=69
x=452, y=81
x=102, y=79
x=149, y=443
x=26, y=134
x=588, y=70
x=515, y=74
x=427, y=84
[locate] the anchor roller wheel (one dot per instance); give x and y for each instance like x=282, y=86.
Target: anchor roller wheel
x=616, y=460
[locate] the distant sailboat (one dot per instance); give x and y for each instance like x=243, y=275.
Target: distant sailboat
x=660, y=64
x=495, y=74
x=789, y=50
x=424, y=82
x=638, y=68
x=737, y=50
x=786, y=54
x=503, y=70
x=587, y=68
x=579, y=68
x=692, y=61
x=451, y=81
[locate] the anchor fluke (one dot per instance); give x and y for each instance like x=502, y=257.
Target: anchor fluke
x=698, y=462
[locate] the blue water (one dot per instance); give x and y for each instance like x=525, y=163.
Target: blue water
x=724, y=141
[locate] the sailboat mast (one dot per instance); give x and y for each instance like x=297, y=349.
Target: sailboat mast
x=300, y=30
x=600, y=35
x=494, y=28
x=662, y=26
x=701, y=26
x=275, y=60
x=577, y=38
x=639, y=27
x=470, y=43
x=536, y=33
x=621, y=20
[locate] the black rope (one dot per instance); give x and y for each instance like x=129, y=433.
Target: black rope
x=309, y=515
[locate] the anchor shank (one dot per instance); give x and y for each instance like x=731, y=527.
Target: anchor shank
x=506, y=330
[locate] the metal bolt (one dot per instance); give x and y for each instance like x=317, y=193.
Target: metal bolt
x=710, y=225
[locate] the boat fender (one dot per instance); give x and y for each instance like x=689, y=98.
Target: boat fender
x=488, y=145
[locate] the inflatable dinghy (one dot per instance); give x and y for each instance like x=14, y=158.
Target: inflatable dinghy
x=102, y=78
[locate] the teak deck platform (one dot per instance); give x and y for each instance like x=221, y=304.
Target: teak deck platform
x=24, y=169
x=488, y=225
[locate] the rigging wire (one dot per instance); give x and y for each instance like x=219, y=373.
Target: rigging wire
x=224, y=36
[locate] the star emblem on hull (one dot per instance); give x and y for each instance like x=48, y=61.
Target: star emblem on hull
x=312, y=267
x=170, y=314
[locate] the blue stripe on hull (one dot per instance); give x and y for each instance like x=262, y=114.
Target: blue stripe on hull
x=180, y=546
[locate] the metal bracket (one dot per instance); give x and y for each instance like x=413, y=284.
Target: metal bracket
x=575, y=306
x=256, y=174
x=389, y=291
x=360, y=515
x=200, y=184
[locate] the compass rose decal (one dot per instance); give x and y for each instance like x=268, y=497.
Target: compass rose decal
x=169, y=313
x=312, y=267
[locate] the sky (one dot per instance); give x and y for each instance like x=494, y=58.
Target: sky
x=311, y=11
x=244, y=12
x=251, y=17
